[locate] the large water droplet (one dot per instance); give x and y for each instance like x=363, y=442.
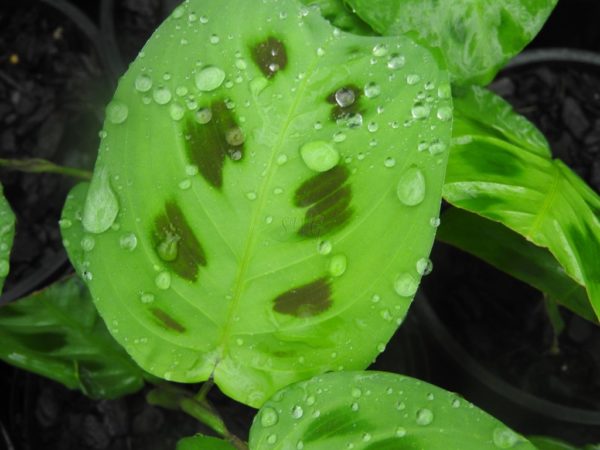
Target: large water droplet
x=203, y=116
x=163, y=280
x=406, y=285
x=143, y=83
x=337, y=265
x=268, y=417
x=235, y=136
x=424, y=417
x=396, y=61
x=162, y=95
x=345, y=97
x=297, y=412
x=420, y=111
x=101, y=205
x=444, y=113
x=319, y=156
x=380, y=50
x=117, y=112
x=209, y=78
x=411, y=187
x=372, y=90
x=505, y=438
x=176, y=111
x=128, y=241
x=168, y=249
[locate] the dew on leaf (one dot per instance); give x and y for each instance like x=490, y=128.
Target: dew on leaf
x=504, y=438
x=203, y=116
x=272, y=439
x=444, y=113
x=337, y=265
x=372, y=127
x=282, y=159
x=319, y=156
x=128, y=241
x=411, y=187
x=101, y=205
x=406, y=285
x=380, y=50
x=117, y=112
x=424, y=417
x=147, y=297
x=444, y=91
x=389, y=162
x=209, y=78
x=396, y=61
x=168, y=248
x=297, y=412
x=214, y=39
x=162, y=95
x=412, y=78
x=324, y=247
x=424, y=266
x=372, y=90
x=339, y=136
x=235, y=136
x=88, y=243
x=437, y=147
x=251, y=195
x=163, y=280
x=420, y=111
x=176, y=111
x=400, y=432
x=345, y=97
x=143, y=83
x=268, y=417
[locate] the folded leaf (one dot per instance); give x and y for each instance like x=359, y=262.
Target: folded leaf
x=539, y=198
x=513, y=254
x=200, y=442
x=57, y=333
x=260, y=203
x=477, y=37
x=7, y=234
x=376, y=411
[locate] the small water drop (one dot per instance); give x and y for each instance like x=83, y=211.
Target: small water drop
x=209, y=78
x=101, y=205
x=456, y=403
x=424, y=417
x=185, y=184
x=297, y=412
x=163, y=280
x=356, y=392
x=272, y=439
x=203, y=116
x=338, y=265
x=251, y=195
x=424, y=266
x=411, y=187
x=147, y=297
x=406, y=285
x=420, y=111
x=143, y=83
x=214, y=39
x=128, y=241
x=372, y=127
x=268, y=417
x=435, y=222
x=437, y=147
x=389, y=162
x=235, y=136
x=117, y=112
x=282, y=159
x=339, y=136
x=88, y=243
x=396, y=61
x=319, y=156
x=412, y=79
x=162, y=95
x=444, y=91
x=354, y=407
x=176, y=111
x=344, y=97
x=400, y=432
x=324, y=247
x=380, y=50
x=65, y=224
x=168, y=248
x=505, y=438
x=366, y=437
x=178, y=12
x=444, y=113
x=372, y=90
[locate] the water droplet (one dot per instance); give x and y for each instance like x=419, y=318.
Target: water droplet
x=338, y=265
x=339, y=136
x=191, y=170
x=396, y=61
x=178, y=12
x=101, y=205
x=319, y=156
x=444, y=113
x=366, y=437
x=214, y=39
x=400, y=432
x=143, y=83
x=381, y=347
x=356, y=392
x=163, y=280
x=456, y=403
x=235, y=136
x=117, y=112
x=203, y=116
x=412, y=79
x=420, y=110
x=406, y=285
x=376, y=298
x=176, y=111
x=345, y=97
x=282, y=159
x=372, y=127
x=372, y=90
x=389, y=162
x=162, y=95
x=435, y=222
x=185, y=184
x=324, y=247
x=271, y=439
x=209, y=78
x=146, y=297
x=424, y=266
x=380, y=50
x=297, y=412
x=444, y=91
x=258, y=84
x=424, y=417
x=354, y=120
x=411, y=187
x=251, y=195
x=355, y=407
x=168, y=248
x=128, y=241
x=65, y=224
x=320, y=51
x=203, y=19
x=299, y=445
x=88, y=243
x=437, y=147
x=505, y=438
x=268, y=417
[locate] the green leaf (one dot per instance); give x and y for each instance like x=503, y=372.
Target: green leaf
x=7, y=234
x=71, y=228
x=57, y=333
x=257, y=262
x=477, y=37
x=376, y=411
x=339, y=15
x=549, y=443
x=535, y=196
x=513, y=254
x=200, y=442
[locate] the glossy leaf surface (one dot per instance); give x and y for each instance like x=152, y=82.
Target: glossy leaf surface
x=375, y=411
x=476, y=36
x=527, y=191
x=512, y=253
x=7, y=234
x=549, y=443
x=57, y=333
x=340, y=15
x=200, y=442
x=260, y=203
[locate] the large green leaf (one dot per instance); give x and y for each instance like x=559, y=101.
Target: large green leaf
x=262, y=198
x=57, y=333
x=527, y=191
x=549, y=443
x=7, y=234
x=200, y=442
x=375, y=411
x=476, y=36
x=513, y=254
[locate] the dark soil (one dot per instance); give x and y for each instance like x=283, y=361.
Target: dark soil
x=500, y=321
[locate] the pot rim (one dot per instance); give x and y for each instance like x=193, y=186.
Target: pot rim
x=553, y=54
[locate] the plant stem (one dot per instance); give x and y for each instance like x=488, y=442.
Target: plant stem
x=556, y=321
x=204, y=390
x=38, y=165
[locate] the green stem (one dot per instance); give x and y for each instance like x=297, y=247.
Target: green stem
x=39, y=165
x=556, y=321
x=204, y=390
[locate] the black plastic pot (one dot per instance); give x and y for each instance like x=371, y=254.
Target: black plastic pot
x=456, y=367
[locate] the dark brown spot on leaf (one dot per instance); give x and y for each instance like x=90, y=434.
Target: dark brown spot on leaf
x=167, y=321
x=305, y=301
x=320, y=186
x=343, y=108
x=208, y=144
x=335, y=423
x=176, y=244
x=270, y=56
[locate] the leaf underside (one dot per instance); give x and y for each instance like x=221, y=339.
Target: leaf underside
x=375, y=411
x=217, y=251
x=520, y=186
x=477, y=37
x=57, y=333
x=7, y=235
